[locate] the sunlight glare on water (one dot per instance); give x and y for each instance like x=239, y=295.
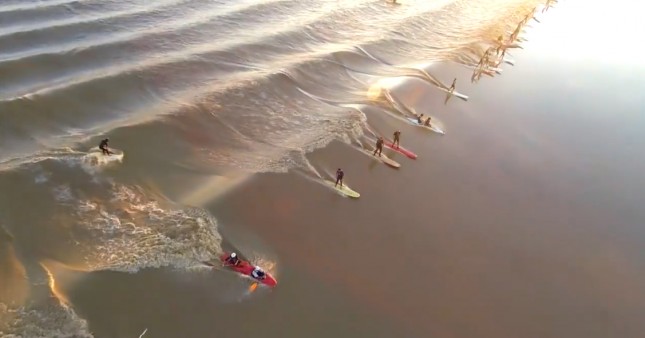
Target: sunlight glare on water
x=593, y=31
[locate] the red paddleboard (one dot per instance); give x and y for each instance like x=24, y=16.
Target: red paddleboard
x=401, y=150
x=246, y=268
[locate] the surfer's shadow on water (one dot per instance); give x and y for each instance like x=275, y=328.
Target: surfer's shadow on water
x=372, y=165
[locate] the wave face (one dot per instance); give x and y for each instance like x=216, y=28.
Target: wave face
x=201, y=86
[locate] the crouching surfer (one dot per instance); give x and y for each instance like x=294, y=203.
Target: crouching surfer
x=104, y=147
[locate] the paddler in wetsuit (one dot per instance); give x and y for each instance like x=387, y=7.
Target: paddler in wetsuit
x=257, y=273
x=104, y=147
x=379, y=147
x=339, y=177
x=397, y=135
x=232, y=259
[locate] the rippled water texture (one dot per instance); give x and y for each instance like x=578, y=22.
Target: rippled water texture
x=225, y=88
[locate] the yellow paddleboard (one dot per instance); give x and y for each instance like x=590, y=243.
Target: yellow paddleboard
x=345, y=190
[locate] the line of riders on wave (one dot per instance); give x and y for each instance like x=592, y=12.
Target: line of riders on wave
x=232, y=260
x=379, y=148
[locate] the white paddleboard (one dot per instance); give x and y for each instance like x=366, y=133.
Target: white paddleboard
x=454, y=93
x=96, y=157
x=431, y=127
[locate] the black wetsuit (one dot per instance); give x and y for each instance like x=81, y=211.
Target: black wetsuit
x=379, y=147
x=339, y=177
x=233, y=260
x=257, y=274
x=104, y=147
x=397, y=134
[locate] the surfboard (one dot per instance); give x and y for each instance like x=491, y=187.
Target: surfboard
x=96, y=157
x=392, y=163
x=345, y=190
x=455, y=93
x=383, y=158
x=400, y=150
x=512, y=45
x=433, y=128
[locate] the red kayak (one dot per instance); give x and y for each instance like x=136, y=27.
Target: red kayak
x=246, y=269
x=401, y=150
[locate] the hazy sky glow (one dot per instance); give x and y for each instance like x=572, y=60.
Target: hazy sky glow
x=592, y=31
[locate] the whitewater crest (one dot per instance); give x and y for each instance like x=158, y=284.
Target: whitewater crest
x=129, y=232
x=48, y=320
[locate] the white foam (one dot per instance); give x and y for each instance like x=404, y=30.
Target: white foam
x=134, y=232
x=95, y=159
x=63, y=193
x=52, y=319
x=41, y=178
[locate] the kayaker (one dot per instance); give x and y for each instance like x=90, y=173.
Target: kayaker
x=379, y=146
x=232, y=259
x=257, y=273
x=339, y=177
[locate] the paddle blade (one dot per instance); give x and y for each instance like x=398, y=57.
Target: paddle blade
x=253, y=287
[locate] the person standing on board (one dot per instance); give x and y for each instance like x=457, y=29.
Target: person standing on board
x=397, y=135
x=104, y=147
x=454, y=84
x=516, y=33
x=500, y=44
x=379, y=146
x=339, y=177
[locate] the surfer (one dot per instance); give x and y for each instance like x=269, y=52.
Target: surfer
x=500, y=44
x=486, y=56
x=397, y=135
x=515, y=33
x=427, y=123
x=258, y=273
x=104, y=147
x=339, y=177
x=420, y=119
x=500, y=58
x=232, y=259
x=379, y=146
x=452, y=87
